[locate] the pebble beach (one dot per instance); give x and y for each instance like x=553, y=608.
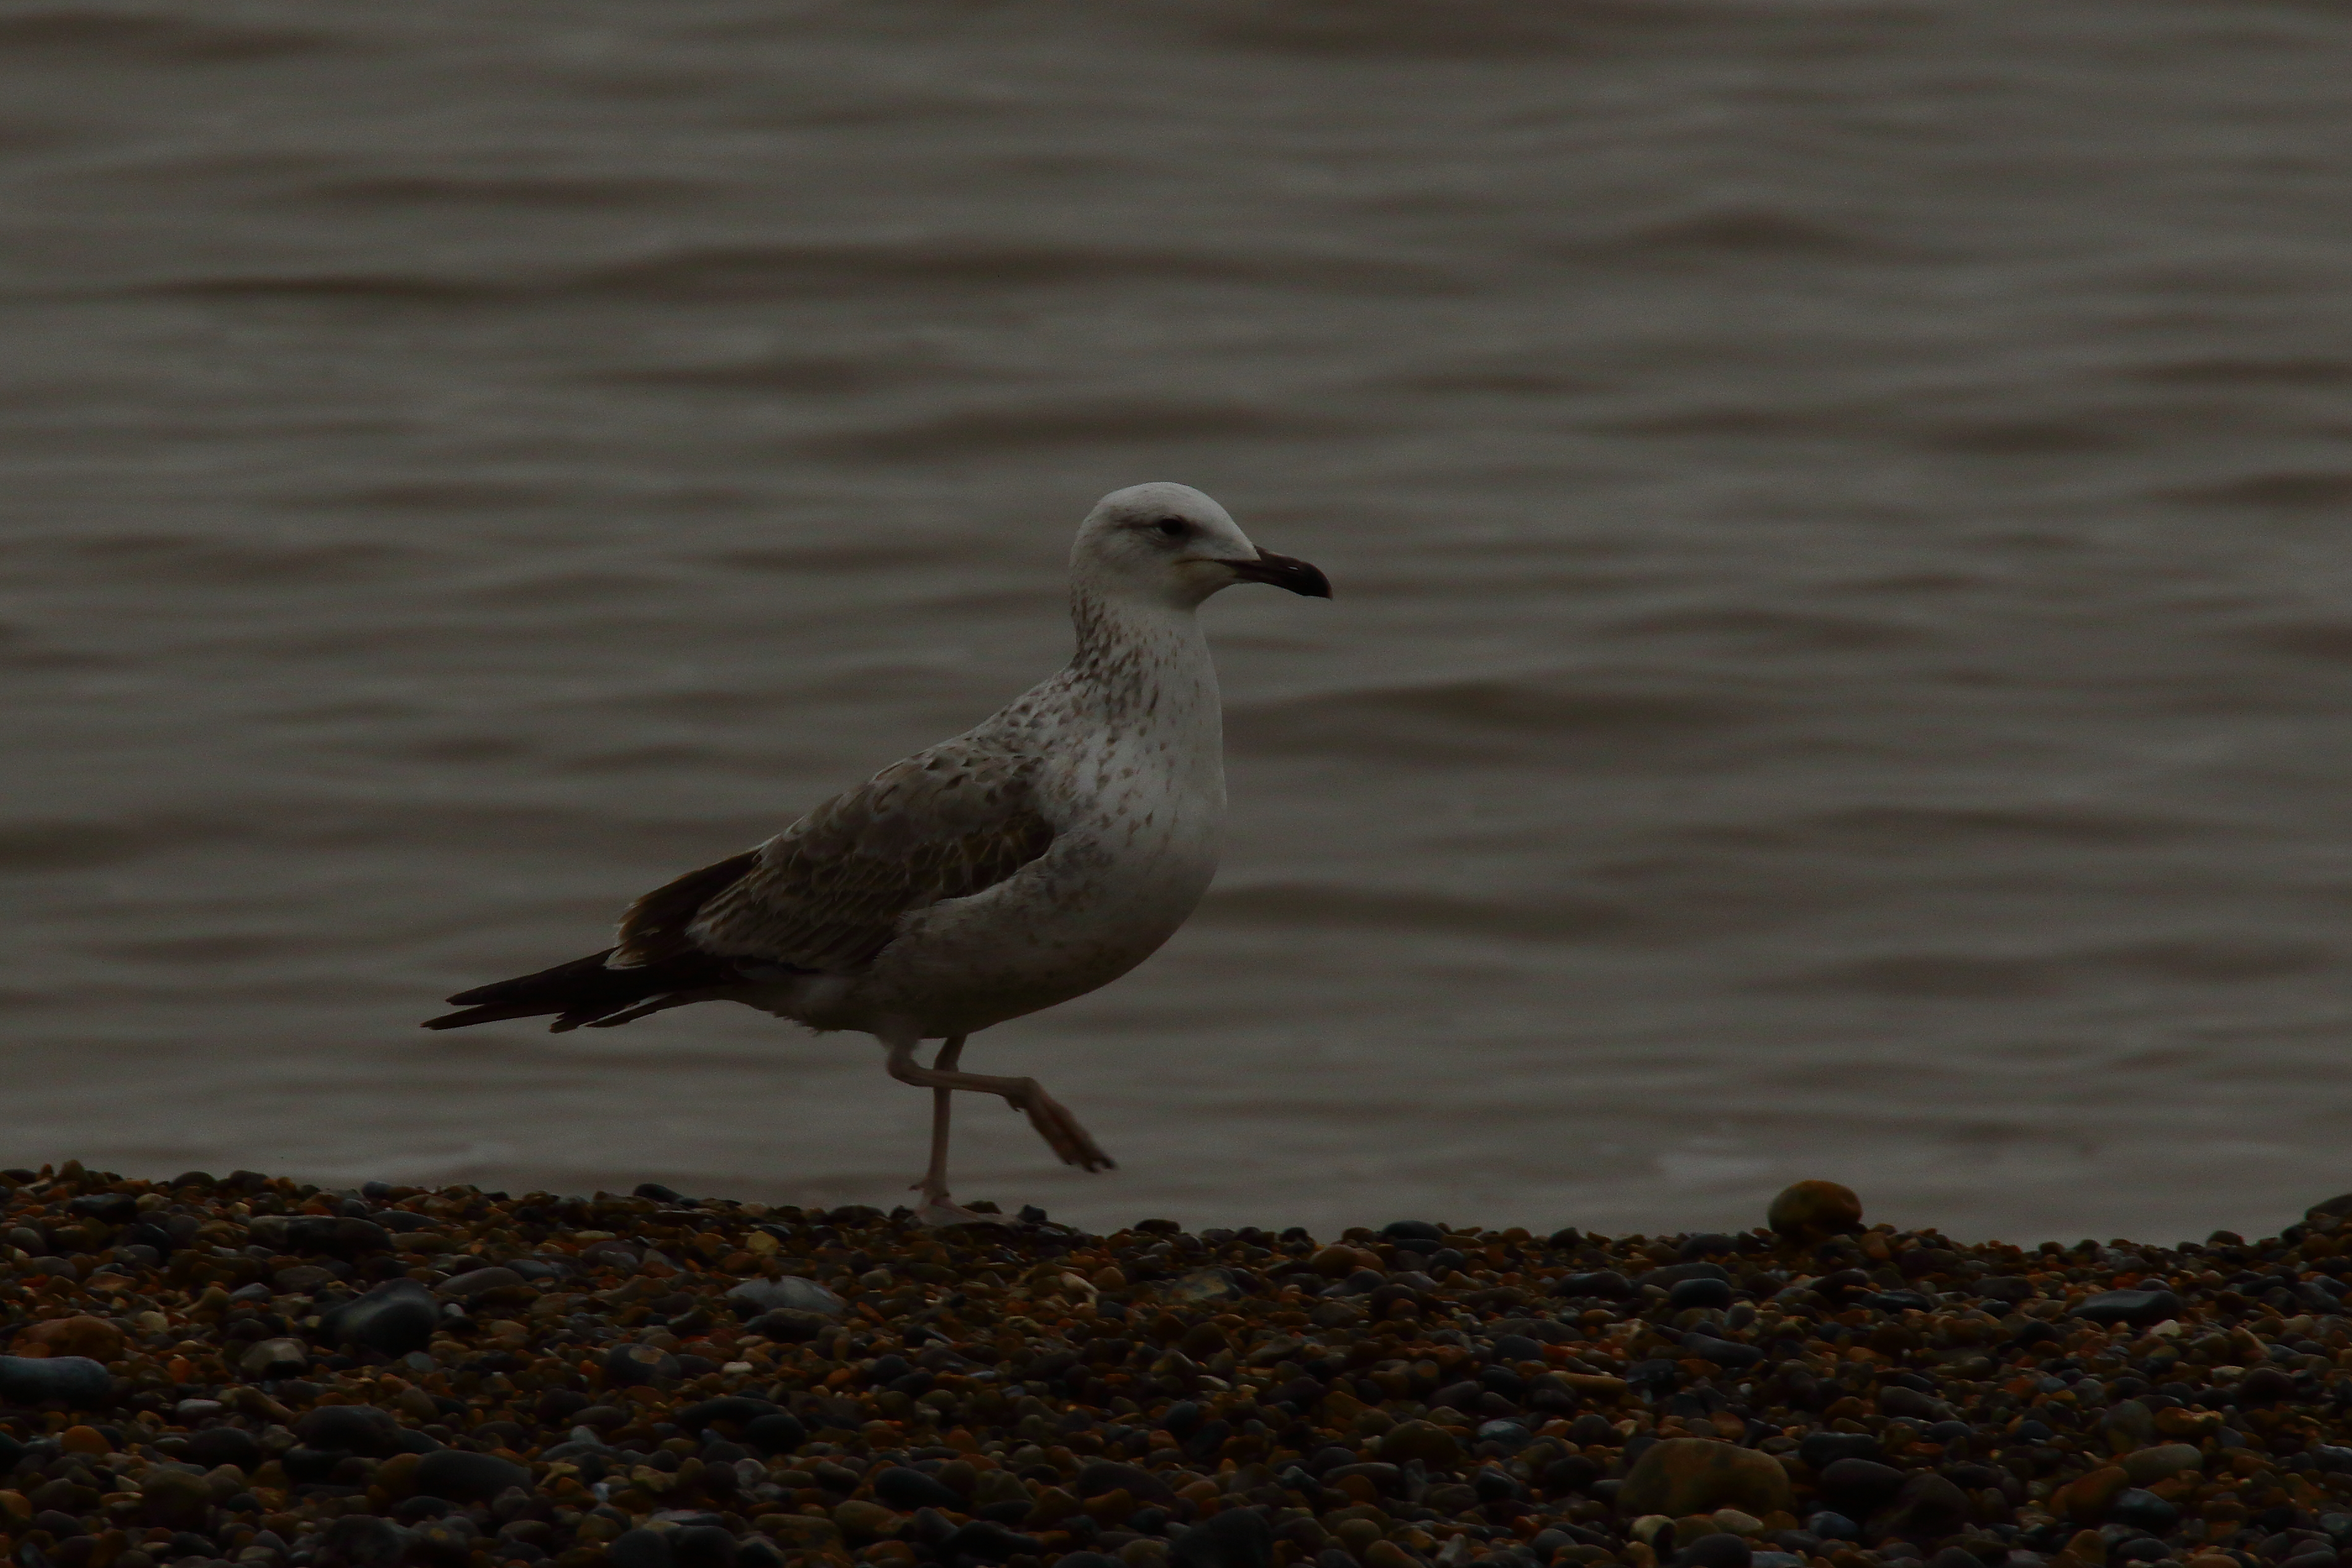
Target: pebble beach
x=253, y=1371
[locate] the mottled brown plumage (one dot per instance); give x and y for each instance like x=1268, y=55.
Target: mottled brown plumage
x=828, y=894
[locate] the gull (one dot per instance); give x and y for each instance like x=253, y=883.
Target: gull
x=1033, y=858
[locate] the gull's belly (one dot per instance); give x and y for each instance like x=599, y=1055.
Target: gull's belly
x=1098, y=904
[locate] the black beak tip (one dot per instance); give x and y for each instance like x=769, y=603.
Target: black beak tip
x=1287, y=572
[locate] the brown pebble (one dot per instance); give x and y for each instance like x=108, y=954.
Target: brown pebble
x=84, y=1440
x=1432, y=1445
x=866, y=1520
x=1814, y=1209
x=81, y=1335
x=1683, y=1475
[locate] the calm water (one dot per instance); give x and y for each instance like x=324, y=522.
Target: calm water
x=1842, y=514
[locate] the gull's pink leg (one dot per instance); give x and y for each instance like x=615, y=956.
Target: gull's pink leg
x=1054, y=1124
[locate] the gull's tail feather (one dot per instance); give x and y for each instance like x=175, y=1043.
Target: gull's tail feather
x=588, y=991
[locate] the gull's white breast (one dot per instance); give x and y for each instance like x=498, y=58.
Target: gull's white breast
x=1133, y=774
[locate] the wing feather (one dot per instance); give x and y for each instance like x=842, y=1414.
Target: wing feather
x=655, y=927
x=829, y=892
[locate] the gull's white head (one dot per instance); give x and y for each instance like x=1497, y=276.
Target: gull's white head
x=1169, y=545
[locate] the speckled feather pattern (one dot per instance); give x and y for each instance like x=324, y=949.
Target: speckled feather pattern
x=1042, y=854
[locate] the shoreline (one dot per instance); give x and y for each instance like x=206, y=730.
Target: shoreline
x=248, y=1369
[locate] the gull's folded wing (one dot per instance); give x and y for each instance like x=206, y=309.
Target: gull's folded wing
x=828, y=894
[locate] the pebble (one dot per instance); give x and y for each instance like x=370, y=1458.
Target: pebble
x=351, y=1428
x=268, y=1360
x=1812, y=1210
x=2161, y=1463
x=639, y=1548
x=790, y=1293
x=277, y=1377
x=477, y=1282
x=172, y=1500
x=1681, y=1475
x=94, y=1338
x=1859, y=1487
x=217, y=1446
x=1820, y=1449
x=1209, y=1286
x=2145, y=1308
x=392, y=1318
x=1423, y=1442
x=633, y=1366
x=2143, y=1511
x=462, y=1476
x=1928, y=1508
x=362, y=1540
x=71, y=1380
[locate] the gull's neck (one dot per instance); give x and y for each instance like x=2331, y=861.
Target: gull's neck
x=1141, y=660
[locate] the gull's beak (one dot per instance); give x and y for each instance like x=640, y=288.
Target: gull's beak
x=1283, y=572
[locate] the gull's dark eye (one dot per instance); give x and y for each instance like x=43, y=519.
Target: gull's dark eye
x=1171, y=528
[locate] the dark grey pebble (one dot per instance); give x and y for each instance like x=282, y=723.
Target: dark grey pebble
x=1689, y=1293
x=308, y=1466
x=1929, y=1508
x=78, y=1381
x=1719, y=1551
x=1237, y=1538
x=730, y=1412
x=907, y=1490
x=464, y=1476
x=341, y=1236
x=1833, y=1526
x=1729, y=1354
x=1655, y=1376
x=362, y=1540
x=2141, y=1309
x=777, y=1434
x=396, y=1318
x=1820, y=1450
x=353, y=1428
x=2143, y=1511
x=1593, y=1427
x=1674, y=1274
x=1912, y=1404
x=1504, y=1433
x=113, y=1208
x=990, y=1541
x=638, y=1549
x=1903, y=1301
x=702, y=1546
x=1859, y=1487
x=473, y=1283
x=789, y=1326
x=1606, y=1283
